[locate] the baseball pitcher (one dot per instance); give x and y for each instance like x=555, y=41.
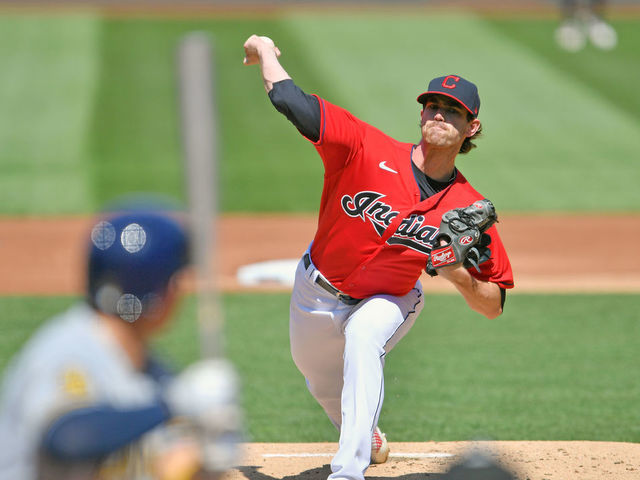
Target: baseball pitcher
x=389, y=210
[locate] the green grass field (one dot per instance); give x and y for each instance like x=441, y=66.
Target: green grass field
x=552, y=367
x=89, y=112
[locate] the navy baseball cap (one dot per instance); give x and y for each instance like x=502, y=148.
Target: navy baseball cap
x=456, y=87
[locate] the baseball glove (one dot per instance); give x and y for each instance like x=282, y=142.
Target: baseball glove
x=462, y=237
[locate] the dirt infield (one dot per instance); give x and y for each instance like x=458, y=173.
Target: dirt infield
x=558, y=253
x=414, y=461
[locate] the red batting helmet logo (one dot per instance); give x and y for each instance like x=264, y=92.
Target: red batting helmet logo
x=447, y=84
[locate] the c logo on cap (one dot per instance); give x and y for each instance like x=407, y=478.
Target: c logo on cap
x=446, y=84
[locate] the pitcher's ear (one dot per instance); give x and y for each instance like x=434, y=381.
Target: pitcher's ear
x=473, y=128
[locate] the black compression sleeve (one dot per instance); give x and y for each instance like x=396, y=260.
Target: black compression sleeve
x=302, y=109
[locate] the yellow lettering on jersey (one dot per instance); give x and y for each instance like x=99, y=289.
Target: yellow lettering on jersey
x=74, y=383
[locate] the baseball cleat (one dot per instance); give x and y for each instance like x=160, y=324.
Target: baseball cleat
x=601, y=34
x=379, y=447
x=571, y=36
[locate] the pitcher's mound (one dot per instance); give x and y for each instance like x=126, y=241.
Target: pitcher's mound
x=414, y=461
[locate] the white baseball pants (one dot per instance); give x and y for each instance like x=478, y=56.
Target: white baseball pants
x=340, y=349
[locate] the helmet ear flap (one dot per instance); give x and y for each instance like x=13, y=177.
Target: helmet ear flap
x=105, y=296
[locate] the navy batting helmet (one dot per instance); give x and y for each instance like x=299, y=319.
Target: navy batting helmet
x=133, y=256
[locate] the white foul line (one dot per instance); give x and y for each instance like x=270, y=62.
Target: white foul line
x=399, y=455
x=422, y=455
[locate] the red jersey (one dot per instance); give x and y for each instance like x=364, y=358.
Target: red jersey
x=374, y=234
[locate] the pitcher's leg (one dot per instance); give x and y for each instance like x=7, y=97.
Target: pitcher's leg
x=371, y=331
x=316, y=349
x=317, y=342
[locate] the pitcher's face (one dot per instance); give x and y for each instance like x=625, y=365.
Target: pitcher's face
x=444, y=122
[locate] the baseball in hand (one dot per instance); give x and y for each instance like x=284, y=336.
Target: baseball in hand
x=267, y=40
x=254, y=45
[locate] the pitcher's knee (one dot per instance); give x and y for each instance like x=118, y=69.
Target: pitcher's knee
x=362, y=343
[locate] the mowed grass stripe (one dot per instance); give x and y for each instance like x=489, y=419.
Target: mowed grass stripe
x=136, y=140
x=543, y=127
x=596, y=69
x=46, y=92
x=581, y=115
x=135, y=137
x=554, y=139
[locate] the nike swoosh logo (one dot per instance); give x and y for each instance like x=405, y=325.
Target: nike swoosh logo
x=383, y=166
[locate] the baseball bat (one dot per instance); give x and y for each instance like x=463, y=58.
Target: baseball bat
x=200, y=147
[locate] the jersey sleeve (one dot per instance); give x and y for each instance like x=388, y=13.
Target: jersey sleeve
x=102, y=429
x=341, y=136
x=498, y=268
